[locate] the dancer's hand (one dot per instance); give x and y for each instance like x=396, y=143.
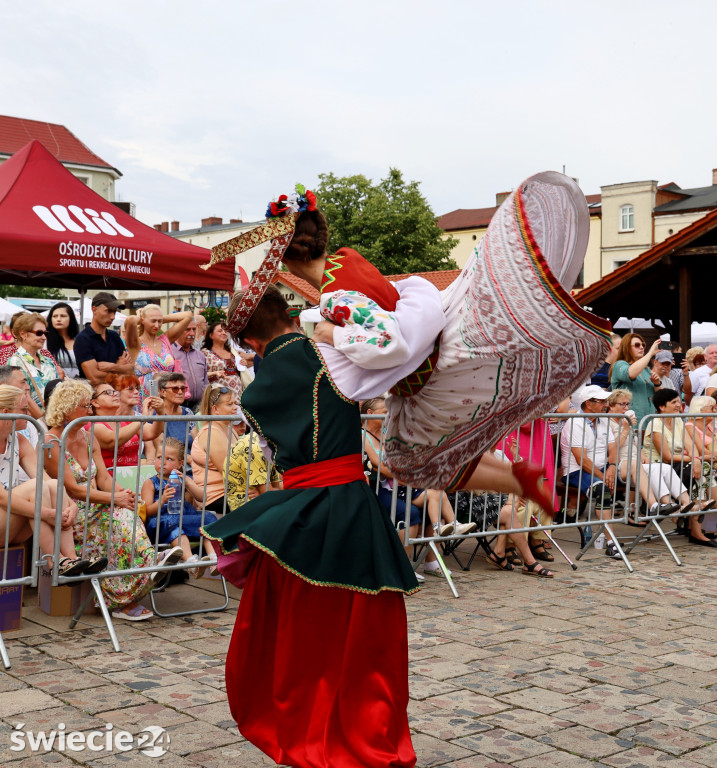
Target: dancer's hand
x=324, y=332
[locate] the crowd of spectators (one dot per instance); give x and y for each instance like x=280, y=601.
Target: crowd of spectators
x=673, y=469
x=105, y=524
x=53, y=371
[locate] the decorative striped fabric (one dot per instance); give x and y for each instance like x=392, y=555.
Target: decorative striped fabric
x=247, y=240
x=515, y=342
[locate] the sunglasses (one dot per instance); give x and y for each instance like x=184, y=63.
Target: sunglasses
x=39, y=333
x=110, y=392
x=220, y=391
x=175, y=389
x=637, y=344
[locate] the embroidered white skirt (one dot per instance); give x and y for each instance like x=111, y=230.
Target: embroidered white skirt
x=515, y=342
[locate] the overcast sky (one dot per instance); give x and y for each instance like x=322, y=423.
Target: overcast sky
x=212, y=108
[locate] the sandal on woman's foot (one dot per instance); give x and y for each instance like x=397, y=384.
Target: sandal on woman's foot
x=68, y=567
x=168, y=557
x=688, y=507
x=97, y=565
x=501, y=563
x=198, y=571
x=536, y=569
x=708, y=505
x=132, y=613
x=531, y=478
x=513, y=556
x=540, y=553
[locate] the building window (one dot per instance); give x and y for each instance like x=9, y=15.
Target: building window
x=627, y=218
x=616, y=264
x=84, y=179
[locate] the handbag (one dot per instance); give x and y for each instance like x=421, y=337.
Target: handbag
x=31, y=378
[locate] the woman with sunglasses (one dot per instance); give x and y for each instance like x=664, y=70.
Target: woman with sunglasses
x=172, y=391
x=119, y=396
x=30, y=331
x=106, y=525
x=213, y=444
x=631, y=371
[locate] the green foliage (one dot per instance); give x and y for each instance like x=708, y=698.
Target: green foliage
x=389, y=223
x=214, y=315
x=31, y=292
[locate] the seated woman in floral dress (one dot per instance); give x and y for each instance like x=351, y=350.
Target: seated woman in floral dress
x=113, y=530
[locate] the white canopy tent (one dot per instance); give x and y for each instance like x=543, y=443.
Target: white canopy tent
x=87, y=313
x=701, y=333
x=7, y=310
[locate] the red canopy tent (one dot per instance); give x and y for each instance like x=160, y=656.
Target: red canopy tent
x=56, y=232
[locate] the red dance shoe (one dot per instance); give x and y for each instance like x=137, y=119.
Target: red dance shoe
x=531, y=478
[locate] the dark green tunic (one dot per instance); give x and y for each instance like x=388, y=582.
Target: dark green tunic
x=329, y=536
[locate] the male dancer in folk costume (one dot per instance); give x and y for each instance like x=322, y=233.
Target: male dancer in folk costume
x=509, y=342
x=317, y=669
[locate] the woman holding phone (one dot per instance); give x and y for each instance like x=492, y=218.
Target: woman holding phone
x=631, y=372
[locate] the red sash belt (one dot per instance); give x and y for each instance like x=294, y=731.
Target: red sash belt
x=344, y=469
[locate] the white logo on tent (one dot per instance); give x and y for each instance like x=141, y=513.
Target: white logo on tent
x=58, y=218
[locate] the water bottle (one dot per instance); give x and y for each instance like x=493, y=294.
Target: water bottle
x=174, y=505
x=588, y=533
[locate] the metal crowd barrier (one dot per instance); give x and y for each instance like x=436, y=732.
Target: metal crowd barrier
x=591, y=508
x=155, y=567
x=685, y=474
x=9, y=583
x=586, y=503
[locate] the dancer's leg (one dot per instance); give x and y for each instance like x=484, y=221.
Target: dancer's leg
x=492, y=474
x=521, y=478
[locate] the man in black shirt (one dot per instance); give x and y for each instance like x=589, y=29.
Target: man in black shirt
x=99, y=350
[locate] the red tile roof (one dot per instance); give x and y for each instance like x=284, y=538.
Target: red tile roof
x=594, y=202
x=440, y=278
x=297, y=285
x=473, y=218
x=466, y=218
x=16, y=132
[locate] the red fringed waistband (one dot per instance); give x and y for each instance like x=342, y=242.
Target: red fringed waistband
x=344, y=469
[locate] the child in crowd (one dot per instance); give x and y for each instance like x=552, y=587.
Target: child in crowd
x=248, y=478
x=175, y=529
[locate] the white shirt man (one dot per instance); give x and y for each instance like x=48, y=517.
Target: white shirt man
x=587, y=446
x=700, y=376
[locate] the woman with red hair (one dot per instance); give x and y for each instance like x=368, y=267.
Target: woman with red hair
x=631, y=372
x=119, y=396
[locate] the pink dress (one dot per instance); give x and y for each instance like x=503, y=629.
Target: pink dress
x=149, y=362
x=224, y=372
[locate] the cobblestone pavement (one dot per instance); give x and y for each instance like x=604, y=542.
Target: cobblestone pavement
x=594, y=668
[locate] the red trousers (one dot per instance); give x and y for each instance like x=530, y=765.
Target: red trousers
x=317, y=677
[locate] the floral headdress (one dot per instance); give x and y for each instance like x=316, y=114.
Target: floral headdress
x=300, y=200
x=281, y=221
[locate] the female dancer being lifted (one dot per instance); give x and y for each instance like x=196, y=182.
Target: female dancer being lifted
x=501, y=346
